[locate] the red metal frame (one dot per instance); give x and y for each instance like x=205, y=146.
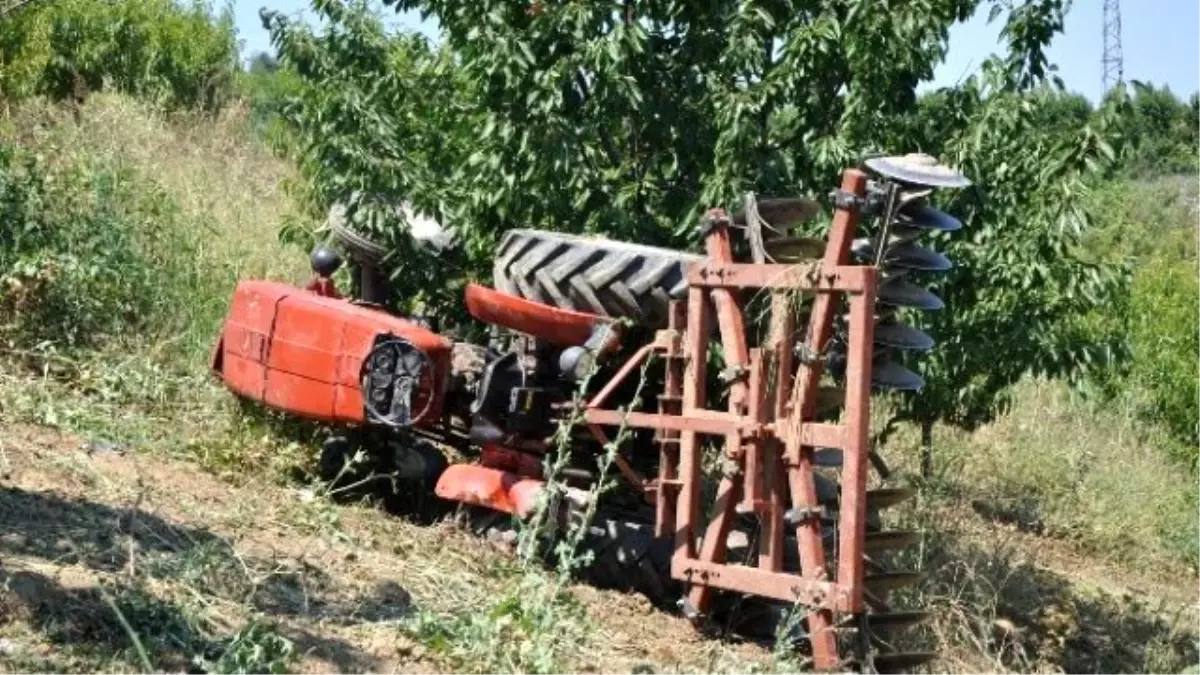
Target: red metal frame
x=769, y=430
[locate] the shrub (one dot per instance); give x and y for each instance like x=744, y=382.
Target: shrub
x=83, y=255
x=1163, y=323
x=1152, y=227
x=267, y=88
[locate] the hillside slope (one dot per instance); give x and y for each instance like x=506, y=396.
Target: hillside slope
x=151, y=523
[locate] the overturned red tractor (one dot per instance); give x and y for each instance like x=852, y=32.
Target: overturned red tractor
x=791, y=521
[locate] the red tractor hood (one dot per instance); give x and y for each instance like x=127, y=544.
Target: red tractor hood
x=302, y=353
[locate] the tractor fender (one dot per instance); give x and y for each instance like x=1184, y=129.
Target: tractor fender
x=490, y=488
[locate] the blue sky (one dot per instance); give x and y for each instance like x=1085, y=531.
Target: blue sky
x=1161, y=41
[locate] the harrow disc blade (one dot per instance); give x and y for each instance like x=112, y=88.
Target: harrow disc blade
x=900, y=662
x=890, y=621
x=829, y=398
x=782, y=213
x=829, y=458
x=892, y=333
x=886, y=498
x=918, y=169
x=890, y=540
x=828, y=490
x=884, y=582
x=892, y=375
x=907, y=256
x=902, y=234
x=794, y=249
x=899, y=292
x=920, y=215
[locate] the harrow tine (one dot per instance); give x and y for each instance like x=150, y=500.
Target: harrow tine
x=890, y=540
x=879, y=584
x=891, y=621
x=874, y=600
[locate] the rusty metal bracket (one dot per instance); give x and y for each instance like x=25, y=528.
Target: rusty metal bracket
x=712, y=220
x=847, y=201
x=799, y=515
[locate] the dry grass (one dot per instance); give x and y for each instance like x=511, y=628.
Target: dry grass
x=1059, y=539
x=215, y=175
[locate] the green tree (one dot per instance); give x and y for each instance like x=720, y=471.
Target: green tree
x=630, y=118
x=1022, y=285
x=263, y=63
x=379, y=119
x=174, y=53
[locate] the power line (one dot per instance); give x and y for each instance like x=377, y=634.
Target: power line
x=1113, y=62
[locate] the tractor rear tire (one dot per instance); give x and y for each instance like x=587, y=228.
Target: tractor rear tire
x=627, y=557
x=589, y=274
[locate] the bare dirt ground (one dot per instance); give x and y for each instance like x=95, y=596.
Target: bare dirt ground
x=86, y=528
x=338, y=580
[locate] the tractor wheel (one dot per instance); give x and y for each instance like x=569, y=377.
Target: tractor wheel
x=601, y=276
x=359, y=247
x=336, y=467
x=402, y=472
x=628, y=558
x=411, y=471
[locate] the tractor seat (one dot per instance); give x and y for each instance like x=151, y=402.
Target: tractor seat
x=560, y=327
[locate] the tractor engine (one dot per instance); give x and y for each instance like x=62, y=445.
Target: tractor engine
x=383, y=381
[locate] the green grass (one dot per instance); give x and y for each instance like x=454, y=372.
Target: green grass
x=1073, y=469
x=191, y=204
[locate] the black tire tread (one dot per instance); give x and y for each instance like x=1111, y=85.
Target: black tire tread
x=627, y=557
x=358, y=246
x=601, y=276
